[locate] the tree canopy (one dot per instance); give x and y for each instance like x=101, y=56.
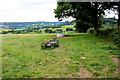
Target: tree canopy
x=86, y=14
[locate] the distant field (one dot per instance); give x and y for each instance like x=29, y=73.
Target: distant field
x=63, y=27
x=10, y=29
x=77, y=57
x=43, y=30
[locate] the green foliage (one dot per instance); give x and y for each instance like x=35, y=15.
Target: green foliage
x=94, y=64
x=113, y=52
x=48, y=31
x=69, y=29
x=56, y=45
x=44, y=44
x=86, y=15
x=109, y=32
x=90, y=30
x=112, y=33
x=82, y=26
x=4, y=32
x=58, y=31
x=108, y=47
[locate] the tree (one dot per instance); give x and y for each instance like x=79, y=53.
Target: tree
x=69, y=29
x=48, y=31
x=77, y=10
x=84, y=13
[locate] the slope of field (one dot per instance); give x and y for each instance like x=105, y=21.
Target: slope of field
x=77, y=57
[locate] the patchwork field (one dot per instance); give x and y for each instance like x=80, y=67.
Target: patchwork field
x=82, y=56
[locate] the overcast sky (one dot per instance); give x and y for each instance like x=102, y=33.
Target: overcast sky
x=28, y=10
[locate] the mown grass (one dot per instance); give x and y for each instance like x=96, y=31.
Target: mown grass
x=22, y=57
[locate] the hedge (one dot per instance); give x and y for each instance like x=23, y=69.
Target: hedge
x=109, y=32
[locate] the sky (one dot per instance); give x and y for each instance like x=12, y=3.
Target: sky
x=29, y=10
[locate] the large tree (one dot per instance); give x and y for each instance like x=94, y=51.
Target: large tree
x=85, y=13
x=75, y=10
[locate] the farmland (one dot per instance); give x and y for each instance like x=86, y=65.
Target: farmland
x=81, y=56
x=59, y=39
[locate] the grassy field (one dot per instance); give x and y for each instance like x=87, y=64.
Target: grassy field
x=63, y=28
x=77, y=57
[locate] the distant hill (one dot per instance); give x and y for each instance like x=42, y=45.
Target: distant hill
x=109, y=22
x=33, y=24
x=16, y=25
x=24, y=24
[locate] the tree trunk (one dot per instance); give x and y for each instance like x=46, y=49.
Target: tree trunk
x=96, y=19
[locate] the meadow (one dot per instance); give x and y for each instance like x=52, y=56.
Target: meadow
x=81, y=56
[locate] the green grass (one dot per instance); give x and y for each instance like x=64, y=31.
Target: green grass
x=22, y=57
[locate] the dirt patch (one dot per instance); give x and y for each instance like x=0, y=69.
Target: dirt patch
x=117, y=61
x=113, y=57
x=65, y=35
x=83, y=57
x=84, y=73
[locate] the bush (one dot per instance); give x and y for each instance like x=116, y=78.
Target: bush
x=56, y=45
x=58, y=31
x=109, y=32
x=69, y=29
x=90, y=30
x=48, y=31
x=44, y=44
x=4, y=32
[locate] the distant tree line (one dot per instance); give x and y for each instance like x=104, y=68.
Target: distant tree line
x=21, y=25
x=35, y=30
x=57, y=30
x=23, y=31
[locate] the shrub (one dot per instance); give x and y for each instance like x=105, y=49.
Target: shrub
x=114, y=52
x=56, y=45
x=58, y=31
x=109, y=32
x=69, y=29
x=90, y=30
x=48, y=31
x=108, y=47
x=43, y=44
x=4, y=32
